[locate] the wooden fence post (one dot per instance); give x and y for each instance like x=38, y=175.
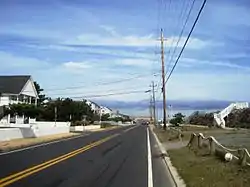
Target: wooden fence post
x=242, y=157
x=211, y=146
x=190, y=143
x=199, y=141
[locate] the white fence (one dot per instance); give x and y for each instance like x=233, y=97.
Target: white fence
x=37, y=129
x=84, y=128
x=10, y=133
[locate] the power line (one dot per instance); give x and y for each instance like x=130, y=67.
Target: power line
x=177, y=60
x=181, y=33
x=110, y=94
x=177, y=23
x=167, y=10
x=93, y=92
x=102, y=84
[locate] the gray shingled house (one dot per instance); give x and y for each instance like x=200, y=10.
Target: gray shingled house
x=17, y=89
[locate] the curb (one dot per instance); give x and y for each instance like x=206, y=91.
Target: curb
x=179, y=182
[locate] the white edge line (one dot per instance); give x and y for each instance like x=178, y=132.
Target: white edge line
x=179, y=182
x=150, y=173
x=43, y=144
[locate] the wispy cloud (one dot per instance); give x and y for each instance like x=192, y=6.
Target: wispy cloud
x=77, y=65
x=150, y=40
x=135, y=62
x=10, y=61
x=191, y=62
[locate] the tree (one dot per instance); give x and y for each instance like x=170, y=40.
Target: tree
x=66, y=108
x=199, y=118
x=41, y=97
x=105, y=117
x=178, y=119
x=117, y=119
x=27, y=110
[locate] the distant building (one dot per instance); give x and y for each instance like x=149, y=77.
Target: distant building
x=94, y=106
x=106, y=110
x=17, y=89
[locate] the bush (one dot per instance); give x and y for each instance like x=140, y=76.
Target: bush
x=197, y=118
x=105, y=125
x=178, y=119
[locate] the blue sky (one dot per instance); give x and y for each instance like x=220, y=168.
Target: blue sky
x=87, y=43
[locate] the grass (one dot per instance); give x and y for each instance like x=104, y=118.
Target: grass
x=24, y=142
x=198, y=169
x=107, y=125
x=222, y=134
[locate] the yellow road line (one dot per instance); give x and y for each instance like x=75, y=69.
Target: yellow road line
x=20, y=175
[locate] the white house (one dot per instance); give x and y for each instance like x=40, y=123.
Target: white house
x=106, y=110
x=94, y=106
x=17, y=89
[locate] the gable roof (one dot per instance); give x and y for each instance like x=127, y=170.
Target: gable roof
x=94, y=103
x=13, y=84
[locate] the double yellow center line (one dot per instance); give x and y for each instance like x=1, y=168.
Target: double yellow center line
x=27, y=172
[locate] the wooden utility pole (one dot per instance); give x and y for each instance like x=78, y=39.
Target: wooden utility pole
x=55, y=110
x=163, y=82
x=153, y=94
x=150, y=108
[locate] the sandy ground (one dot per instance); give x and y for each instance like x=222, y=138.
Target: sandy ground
x=24, y=142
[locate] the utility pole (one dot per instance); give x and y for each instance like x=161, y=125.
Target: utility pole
x=153, y=94
x=163, y=82
x=55, y=110
x=150, y=108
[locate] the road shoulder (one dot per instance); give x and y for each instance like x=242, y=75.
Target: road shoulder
x=16, y=144
x=172, y=171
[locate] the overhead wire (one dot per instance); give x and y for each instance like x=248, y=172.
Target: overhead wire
x=93, y=92
x=102, y=83
x=166, y=10
x=183, y=11
x=181, y=33
x=109, y=94
x=187, y=39
x=165, y=13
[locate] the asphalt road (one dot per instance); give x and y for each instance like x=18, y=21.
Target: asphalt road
x=114, y=158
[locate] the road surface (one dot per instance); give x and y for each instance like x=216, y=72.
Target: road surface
x=116, y=158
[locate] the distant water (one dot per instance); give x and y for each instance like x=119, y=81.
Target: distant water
x=159, y=113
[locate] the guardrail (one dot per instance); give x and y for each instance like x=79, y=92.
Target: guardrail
x=198, y=141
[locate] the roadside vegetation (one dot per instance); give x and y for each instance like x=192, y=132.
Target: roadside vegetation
x=198, y=169
x=236, y=119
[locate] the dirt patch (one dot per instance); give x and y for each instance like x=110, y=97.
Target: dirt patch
x=25, y=142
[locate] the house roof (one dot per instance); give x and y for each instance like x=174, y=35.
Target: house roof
x=13, y=84
x=92, y=102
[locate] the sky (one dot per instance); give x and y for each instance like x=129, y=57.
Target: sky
x=93, y=47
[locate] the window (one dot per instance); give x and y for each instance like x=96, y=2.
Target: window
x=20, y=98
x=13, y=97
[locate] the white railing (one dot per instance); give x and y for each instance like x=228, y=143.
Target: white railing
x=219, y=118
